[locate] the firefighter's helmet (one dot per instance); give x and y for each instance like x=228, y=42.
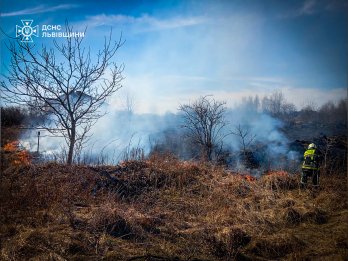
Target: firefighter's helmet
x=312, y=146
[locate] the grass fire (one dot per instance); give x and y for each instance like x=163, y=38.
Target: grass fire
x=173, y=130
x=159, y=206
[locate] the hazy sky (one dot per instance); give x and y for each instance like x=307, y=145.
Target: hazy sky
x=176, y=51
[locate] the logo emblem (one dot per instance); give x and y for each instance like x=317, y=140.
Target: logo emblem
x=27, y=31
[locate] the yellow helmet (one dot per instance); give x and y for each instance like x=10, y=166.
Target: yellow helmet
x=312, y=146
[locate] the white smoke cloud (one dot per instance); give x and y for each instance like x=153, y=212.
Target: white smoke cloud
x=121, y=130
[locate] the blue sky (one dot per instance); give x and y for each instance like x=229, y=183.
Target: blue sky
x=176, y=51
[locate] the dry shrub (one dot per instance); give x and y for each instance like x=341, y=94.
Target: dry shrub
x=133, y=165
x=150, y=224
x=160, y=171
x=174, y=172
x=108, y=219
x=36, y=244
x=292, y=216
x=276, y=247
x=286, y=203
x=228, y=242
x=30, y=192
x=229, y=183
x=279, y=180
x=316, y=216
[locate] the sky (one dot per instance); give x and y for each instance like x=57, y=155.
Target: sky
x=177, y=51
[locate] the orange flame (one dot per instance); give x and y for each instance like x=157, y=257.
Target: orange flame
x=11, y=147
x=249, y=178
x=18, y=156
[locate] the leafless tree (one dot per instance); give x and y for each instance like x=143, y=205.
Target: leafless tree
x=276, y=105
x=65, y=81
x=333, y=113
x=251, y=103
x=204, y=120
x=245, y=136
x=329, y=144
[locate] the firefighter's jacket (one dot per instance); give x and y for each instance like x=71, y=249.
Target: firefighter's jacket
x=311, y=159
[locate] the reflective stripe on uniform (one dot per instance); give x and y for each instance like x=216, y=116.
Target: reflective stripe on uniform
x=312, y=165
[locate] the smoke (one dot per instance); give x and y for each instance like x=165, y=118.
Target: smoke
x=120, y=131
x=266, y=144
x=123, y=130
x=266, y=129
x=110, y=137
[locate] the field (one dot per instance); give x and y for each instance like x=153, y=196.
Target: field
x=163, y=208
x=173, y=130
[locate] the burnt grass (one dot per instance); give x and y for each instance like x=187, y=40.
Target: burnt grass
x=163, y=208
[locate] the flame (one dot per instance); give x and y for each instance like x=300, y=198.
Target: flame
x=18, y=156
x=11, y=146
x=249, y=178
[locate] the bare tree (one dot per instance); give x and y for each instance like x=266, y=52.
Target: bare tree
x=251, y=103
x=333, y=113
x=64, y=81
x=329, y=144
x=276, y=105
x=204, y=120
x=245, y=136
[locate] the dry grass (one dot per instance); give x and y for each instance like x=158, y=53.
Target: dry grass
x=166, y=209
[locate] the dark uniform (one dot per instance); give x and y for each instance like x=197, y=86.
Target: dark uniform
x=310, y=166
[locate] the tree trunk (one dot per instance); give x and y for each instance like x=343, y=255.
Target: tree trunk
x=71, y=145
x=209, y=151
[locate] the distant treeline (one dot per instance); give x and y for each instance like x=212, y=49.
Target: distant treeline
x=277, y=106
x=16, y=116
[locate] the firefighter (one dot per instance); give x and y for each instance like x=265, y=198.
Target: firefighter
x=310, y=166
